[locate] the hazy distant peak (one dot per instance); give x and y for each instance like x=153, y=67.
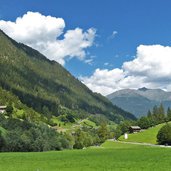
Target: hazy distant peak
x=139, y=101
x=143, y=89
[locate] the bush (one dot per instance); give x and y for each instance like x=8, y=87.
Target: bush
x=9, y=110
x=26, y=136
x=164, y=135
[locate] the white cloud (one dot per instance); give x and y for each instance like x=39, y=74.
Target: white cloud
x=106, y=64
x=103, y=81
x=43, y=33
x=89, y=61
x=150, y=68
x=113, y=35
x=154, y=61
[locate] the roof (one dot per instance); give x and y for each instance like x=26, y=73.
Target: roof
x=135, y=127
x=3, y=107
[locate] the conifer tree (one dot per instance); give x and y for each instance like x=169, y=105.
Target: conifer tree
x=169, y=114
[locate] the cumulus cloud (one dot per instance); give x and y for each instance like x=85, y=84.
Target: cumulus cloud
x=151, y=68
x=153, y=61
x=43, y=33
x=103, y=81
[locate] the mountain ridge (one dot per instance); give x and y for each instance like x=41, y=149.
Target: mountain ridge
x=139, y=101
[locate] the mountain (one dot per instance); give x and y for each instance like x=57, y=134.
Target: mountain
x=46, y=87
x=141, y=100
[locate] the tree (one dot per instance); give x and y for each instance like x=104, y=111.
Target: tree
x=2, y=141
x=70, y=118
x=144, y=122
x=155, y=110
x=9, y=110
x=164, y=135
x=149, y=114
x=158, y=114
x=117, y=133
x=70, y=139
x=161, y=109
x=79, y=139
x=103, y=132
x=46, y=112
x=169, y=114
x=161, y=113
x=151, y=118
x=124, y=126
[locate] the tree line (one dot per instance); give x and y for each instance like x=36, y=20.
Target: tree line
x=154, y=117
x=23, y=135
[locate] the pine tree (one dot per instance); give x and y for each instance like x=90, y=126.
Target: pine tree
x=149, y=114
x=161, y=113
x=151, y=118
x=169, y=114
x=155, y=115
x=155, y=110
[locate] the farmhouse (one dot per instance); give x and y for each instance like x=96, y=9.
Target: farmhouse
x=3, y=109
x=134, y=129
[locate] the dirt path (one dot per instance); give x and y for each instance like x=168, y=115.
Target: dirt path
x=146, y=144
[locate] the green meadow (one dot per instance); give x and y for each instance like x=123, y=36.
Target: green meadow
x=146, y=136
x=110, y=156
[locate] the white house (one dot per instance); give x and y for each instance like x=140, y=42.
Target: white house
x=3, y=109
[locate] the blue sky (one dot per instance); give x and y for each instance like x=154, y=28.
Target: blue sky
x=134, y=23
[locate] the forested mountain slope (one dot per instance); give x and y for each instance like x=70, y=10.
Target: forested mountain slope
x=46, y=86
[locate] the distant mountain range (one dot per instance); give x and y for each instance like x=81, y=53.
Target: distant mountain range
x=46, y=87
x=141, y=100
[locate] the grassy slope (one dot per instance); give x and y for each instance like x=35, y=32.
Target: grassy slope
x=113, y=156
x=147, y=136
x=20, y=109
x=69, y=127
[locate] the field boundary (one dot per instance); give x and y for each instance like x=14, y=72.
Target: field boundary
x=138, y=143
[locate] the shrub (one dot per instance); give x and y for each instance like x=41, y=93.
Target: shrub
x=164, y=135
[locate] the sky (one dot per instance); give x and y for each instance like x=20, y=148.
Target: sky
x=108, y=44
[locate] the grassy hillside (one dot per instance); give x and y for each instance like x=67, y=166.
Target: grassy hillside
x=146, y=136
x=46, y=86
x=112, y=156
x=20, y=110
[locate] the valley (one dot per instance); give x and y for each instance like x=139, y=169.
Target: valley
x=85, y=85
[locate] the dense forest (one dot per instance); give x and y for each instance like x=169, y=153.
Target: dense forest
x=23, y=129
x=46, y=86
x=47, y=108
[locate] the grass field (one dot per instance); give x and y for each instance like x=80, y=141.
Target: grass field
x=111, y=156
x=147, y=136
x=69, y=127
